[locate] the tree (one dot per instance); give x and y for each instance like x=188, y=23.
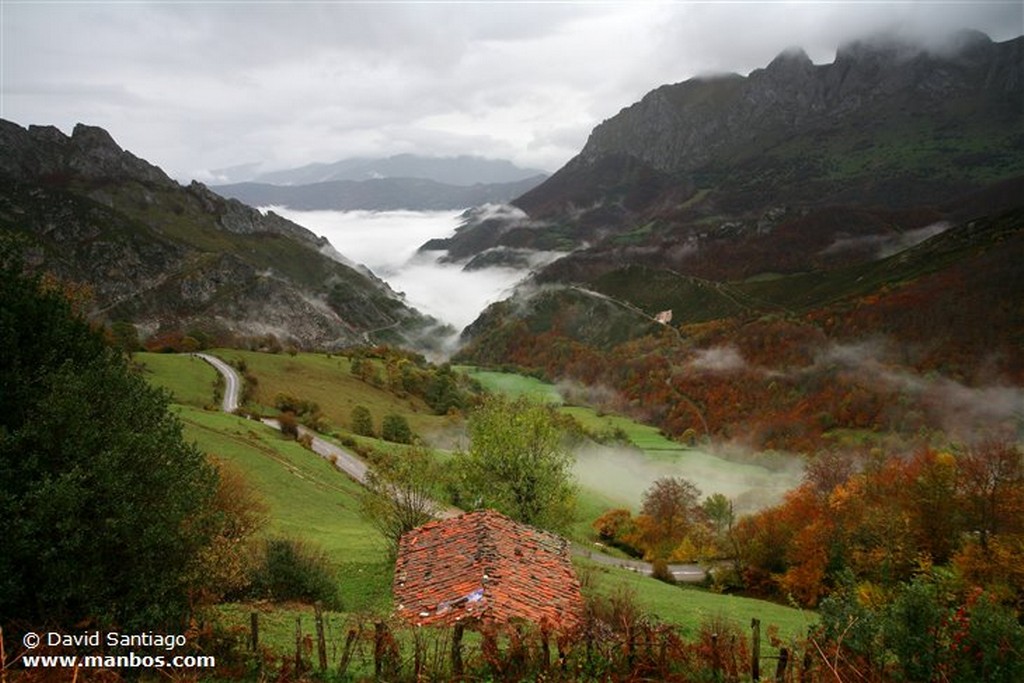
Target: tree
x=227, y=564
x=395, y=428
x=399, y=494
x=443, y=393
x=718, y=509
x=990, y=486
x=104, y=509
x=614, y=527
x=518, y=464
x=670, y=507
x=362, y=421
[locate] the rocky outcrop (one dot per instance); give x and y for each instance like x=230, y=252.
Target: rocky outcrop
x=89, y=154
x=682, y=127
x=167, y=257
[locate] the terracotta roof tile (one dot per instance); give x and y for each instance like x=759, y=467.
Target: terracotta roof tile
x=484, y=565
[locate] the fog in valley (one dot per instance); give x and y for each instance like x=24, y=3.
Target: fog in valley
x=623, y=474
x=386, y=242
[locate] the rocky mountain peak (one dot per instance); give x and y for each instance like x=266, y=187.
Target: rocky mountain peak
x=89, y=153
x=169, y=258
x=884, y=47
x=792, y=60
x=682, y=127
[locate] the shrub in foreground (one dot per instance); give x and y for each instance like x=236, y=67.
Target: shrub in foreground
x=290, y=569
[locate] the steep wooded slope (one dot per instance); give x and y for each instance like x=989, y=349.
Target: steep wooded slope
x=171, y=258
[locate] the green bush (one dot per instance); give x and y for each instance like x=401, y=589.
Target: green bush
x=290, y=569
x=661, y=572
x=395, y=428
x=289, y=425
x=362, y=421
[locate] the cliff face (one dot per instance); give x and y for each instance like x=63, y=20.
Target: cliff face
x=886, y=125
x=167, y=257
x=682, y=127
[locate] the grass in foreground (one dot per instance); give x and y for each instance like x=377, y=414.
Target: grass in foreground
x=307, y=499
x=687, y=606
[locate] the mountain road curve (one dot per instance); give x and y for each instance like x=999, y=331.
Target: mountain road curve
x=232, y=382
x=354, y=467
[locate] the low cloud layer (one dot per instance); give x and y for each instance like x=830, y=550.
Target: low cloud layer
x=717, y=359
x=887, y=244
x=622, y=475
x=386, y=242
x=965, y=413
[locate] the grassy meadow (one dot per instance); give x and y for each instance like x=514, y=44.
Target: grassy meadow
x=190, y=380
x=327, y=380
x=310, y=500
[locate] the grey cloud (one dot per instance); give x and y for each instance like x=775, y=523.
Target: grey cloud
x=194, y=86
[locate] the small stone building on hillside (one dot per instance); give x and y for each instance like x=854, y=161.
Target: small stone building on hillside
x=486, y=570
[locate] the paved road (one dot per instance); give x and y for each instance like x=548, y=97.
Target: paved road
x=232, y=382
x=353, y=466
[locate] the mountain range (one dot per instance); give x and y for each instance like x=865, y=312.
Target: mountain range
x=403, y=181
x=808, y=254
x=178, y=261
x=378, y=194
x=888, y=125
x=732, y=243
x=463, y=169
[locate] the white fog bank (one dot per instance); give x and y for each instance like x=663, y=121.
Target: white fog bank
x=386, y=242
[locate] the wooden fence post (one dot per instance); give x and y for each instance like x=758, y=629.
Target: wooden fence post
x=321, y=641
x=346, y=655
x=254, y=624
x=755, y=655
x=417, y=669
x=545, y=649
x=805, y=670
x=716, y=659
x=378, y=649
x=298, y=644
x=780, y=670
x=457, y=651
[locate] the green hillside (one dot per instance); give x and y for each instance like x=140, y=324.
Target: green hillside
x=310, y=500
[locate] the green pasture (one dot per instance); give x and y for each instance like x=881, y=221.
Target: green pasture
x=688, y=607
x=327, y=380
x=514, y=385
x=190, y=380
x=306, y=496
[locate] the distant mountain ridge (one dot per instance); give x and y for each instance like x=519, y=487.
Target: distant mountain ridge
x=173, y=260
x=457, y=170
x=379, y=194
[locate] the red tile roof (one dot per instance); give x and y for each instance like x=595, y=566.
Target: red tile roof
x=483, y=565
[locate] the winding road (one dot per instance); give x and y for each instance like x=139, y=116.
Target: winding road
x=354, y=467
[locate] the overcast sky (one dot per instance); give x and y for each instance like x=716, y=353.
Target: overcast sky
x=197, y=86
